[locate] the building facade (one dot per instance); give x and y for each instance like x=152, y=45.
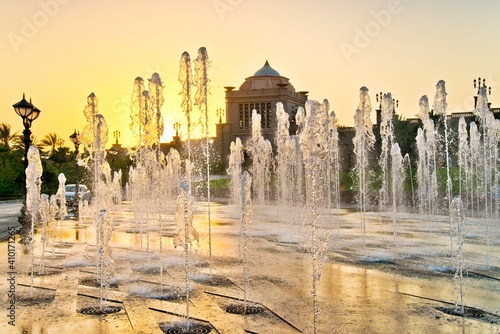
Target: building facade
x=260, y=92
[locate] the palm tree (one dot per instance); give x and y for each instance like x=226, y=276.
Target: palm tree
x=19, y=142
x=51, y=142
x=6, y=137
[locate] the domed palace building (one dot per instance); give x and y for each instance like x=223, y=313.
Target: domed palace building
x=260, y=92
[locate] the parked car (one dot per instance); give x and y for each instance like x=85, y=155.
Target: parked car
x=84, y=194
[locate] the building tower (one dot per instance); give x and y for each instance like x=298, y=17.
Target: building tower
x=261, y=92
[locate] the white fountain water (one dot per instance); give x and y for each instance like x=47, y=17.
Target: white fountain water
x=45, y=220
x=235, y=169
x=202, y=64
x=184, y=236
x=363, y=145
x=105, y=263
x=260, y=150
x=397, y=172
x=246, y=214
x=387, y=137
x=486, y=140
x=314, y=139
x=440, y=107
x=33, y=186
x=458, y=224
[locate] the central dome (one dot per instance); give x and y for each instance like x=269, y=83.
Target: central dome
x=267, y=71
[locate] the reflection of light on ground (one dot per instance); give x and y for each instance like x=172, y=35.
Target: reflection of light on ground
x=353, y=295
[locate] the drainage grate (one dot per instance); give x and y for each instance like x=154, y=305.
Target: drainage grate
x=182, y=328
x=99, y=311
x=241, y=309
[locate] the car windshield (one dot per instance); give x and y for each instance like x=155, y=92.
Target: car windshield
x=70, y=189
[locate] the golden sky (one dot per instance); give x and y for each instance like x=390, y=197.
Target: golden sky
x=60, y=51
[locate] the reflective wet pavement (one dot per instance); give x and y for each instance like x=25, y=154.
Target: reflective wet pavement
x=391, y=286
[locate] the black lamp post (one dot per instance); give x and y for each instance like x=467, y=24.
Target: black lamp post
x=113, y=154
x=75, y=139
x=28, y=113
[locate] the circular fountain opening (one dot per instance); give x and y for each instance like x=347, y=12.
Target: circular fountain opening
x=96, y=310
x=182, y=328
x=469, y=312
x=243, y=309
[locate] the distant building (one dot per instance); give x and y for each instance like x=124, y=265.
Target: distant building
x=261, y=91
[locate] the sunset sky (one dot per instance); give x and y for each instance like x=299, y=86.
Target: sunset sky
x=60, y=51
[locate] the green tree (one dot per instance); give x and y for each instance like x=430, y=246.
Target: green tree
x=51, y=142
x=6, y=137
x=19, y=142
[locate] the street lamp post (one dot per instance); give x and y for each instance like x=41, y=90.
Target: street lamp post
x=75, y=138
x=113, y=154
x=28, y=112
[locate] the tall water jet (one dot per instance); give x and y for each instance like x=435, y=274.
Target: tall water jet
x=333, y=163
x=185, y=233
x=105, y=264
x=363, y=144
x=201, y=65
x=458, y=224
x=33, y=185
x=156, y=96
x=427, y=161
x=260, y=150
x=440, y=107
x=155, y=88
x=476, y=163
x=235, y=169
x=147, y=125
x=246, y=221
x=387, y=137
x=284, y=161
x=463, y=158
x=490, y=153
x=94, y=138
x=186, y=80
x=61, y=199
x=313, y=138
x=407, y=162
x=54, y=209
x=45, y=217
x=397, y=172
